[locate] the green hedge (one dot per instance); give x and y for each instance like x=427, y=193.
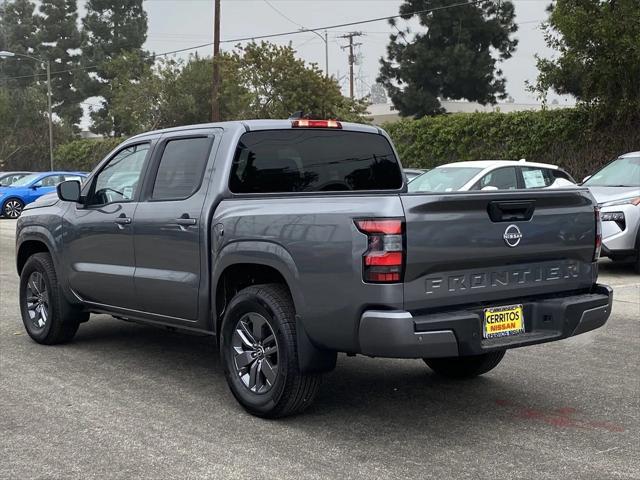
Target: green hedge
x=83, y=155
x=569, y=138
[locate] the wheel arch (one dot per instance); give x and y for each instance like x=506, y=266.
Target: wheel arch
x=30, y=243
x=241, y=264
x=256, y=262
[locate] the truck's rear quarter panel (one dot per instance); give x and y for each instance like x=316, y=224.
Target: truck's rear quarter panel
x=320, y=235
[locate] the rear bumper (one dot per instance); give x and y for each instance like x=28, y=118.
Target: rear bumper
x=456, y=333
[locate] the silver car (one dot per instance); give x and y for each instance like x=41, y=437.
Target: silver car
x=616, y=188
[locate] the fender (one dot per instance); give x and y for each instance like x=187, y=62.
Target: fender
x=311, y=359
x=39, y=233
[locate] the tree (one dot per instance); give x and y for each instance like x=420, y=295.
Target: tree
x=60, y=42
x=454, y=58
x=112, y=28
x=24, y=134
x=280, y=84
x=174, y=93
x=18, y=34
x=599, y=53
x=258, y=81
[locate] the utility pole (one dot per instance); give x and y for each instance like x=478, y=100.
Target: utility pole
x=215, y=84
x=352, y=58
x=50, y=115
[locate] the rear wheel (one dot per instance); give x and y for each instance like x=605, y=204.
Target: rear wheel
x=259, y=353
x=465, y=367
x=12, y=208
x=46, y=314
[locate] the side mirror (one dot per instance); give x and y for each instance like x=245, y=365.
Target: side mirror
x=489, y=188
x=69, y=191
x=35, y=187
x=586, y=178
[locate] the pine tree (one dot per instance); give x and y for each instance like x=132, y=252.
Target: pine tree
x=454, y=58
x=18, y=34
x=60, y=43
x=112, y=29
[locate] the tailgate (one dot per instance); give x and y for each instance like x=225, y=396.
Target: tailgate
x=482, y=247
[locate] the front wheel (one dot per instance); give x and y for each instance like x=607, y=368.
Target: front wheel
x=12, y=208
x=259, y=353
x=46, y=314
x=465, y=367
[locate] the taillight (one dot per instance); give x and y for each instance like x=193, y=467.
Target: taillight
x=384, y=259
x=598, y=243
x=306, y=123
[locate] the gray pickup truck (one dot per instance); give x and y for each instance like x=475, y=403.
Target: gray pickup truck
x=291, y=241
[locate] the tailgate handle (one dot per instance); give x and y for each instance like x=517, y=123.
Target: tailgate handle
x=511, y=211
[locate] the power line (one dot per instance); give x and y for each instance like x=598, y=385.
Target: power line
x=273, y=7
x=281, y=34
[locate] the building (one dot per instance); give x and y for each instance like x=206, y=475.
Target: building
x=385, y=112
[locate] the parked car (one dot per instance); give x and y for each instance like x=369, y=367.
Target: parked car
x=412, y=173
x=8, y=178
x=491, y=175
x=291, y=241
x=29, y=188
x=616, y=188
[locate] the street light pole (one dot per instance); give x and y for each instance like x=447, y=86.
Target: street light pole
x=325, y=39
x=326, y=54
x=5, y=54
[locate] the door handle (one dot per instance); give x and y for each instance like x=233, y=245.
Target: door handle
x=122, y=221
x=186, y=221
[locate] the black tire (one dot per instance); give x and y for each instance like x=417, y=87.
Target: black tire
x=12, y=208
x=290, y=391
x=465, y=367
x=62, y=318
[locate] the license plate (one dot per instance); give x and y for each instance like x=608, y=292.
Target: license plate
x=503, y=321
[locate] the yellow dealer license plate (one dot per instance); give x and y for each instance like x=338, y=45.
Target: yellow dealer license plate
x=503, y=321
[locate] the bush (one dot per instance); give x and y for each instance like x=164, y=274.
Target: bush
x=569, y=138
x=83, y=155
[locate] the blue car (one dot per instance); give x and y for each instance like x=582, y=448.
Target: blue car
x=30, y=188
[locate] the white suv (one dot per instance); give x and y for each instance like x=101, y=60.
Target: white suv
x=616, y=188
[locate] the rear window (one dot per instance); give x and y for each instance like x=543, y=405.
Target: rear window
x=283, y=161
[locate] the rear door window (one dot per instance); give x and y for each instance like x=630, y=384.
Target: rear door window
x=535, y=177
x=306, y=160
x=181, y=168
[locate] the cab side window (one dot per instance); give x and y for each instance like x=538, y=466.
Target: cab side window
x=181, y=168
x=500, y=179
x=119, y=179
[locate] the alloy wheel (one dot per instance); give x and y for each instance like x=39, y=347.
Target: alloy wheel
x=255, y=353
x=37, y=299
x=13, y=208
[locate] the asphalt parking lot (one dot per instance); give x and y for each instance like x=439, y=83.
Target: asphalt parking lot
x=129, y=401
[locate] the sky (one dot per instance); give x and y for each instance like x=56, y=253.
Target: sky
x=176, y=24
